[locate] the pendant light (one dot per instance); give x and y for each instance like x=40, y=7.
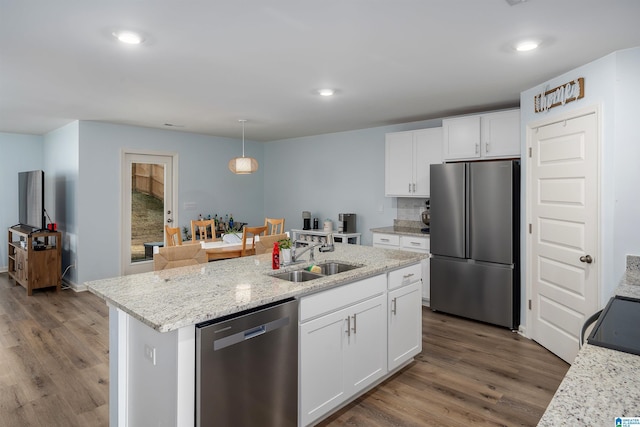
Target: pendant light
x=243, y=165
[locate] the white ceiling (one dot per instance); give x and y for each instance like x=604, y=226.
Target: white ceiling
x=206, y=64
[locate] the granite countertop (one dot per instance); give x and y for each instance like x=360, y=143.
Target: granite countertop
x=170, y=299
x=403, y=227
x=602, y=384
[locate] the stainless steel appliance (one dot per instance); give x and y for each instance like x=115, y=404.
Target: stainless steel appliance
x=347, y=221
x=475, y=240
x=617, y=326
x=426, y=216
x=306, y=220
x=247, y=368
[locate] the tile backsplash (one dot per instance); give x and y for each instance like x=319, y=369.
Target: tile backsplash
x=410, y=209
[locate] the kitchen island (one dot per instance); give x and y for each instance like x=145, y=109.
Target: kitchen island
x=153, y=318
x=602, y=384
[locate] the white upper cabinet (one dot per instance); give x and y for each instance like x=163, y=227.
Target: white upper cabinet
x=483, y=136
x=408, y=156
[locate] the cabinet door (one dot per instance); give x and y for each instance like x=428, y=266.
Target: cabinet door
x=405, y=324
x=322, y=383
x=426, y=287
x=22, y=266
x=399, y=164
x=366, y=361
x=501, y=134
x=461, y=138
x=428, y=150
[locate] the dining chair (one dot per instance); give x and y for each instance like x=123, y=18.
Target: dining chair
x=178, y=256
x=264, y=244
x=199, y=229
x=274, y=225
x=173, y=236
x=250, y=232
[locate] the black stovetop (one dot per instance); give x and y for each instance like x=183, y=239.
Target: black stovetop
x=618, y=326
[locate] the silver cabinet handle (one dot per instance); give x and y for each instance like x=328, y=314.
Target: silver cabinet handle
x=406, y=276
x=409, y=187
x=393, y=306
x=384, y=240
x=348, y=326
x=415, y=243
x=354, y=323
x=414, y=187
x=477, y=148
x=486, y=146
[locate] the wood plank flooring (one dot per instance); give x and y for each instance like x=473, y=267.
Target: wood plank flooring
x=468, y=373
x=54, y=358
x=54, y=370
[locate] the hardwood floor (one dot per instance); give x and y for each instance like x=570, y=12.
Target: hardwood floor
x=54, y=358
x=468, y=373
x=54, y=370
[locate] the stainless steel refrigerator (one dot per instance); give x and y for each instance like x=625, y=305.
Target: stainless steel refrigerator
x=475, y=240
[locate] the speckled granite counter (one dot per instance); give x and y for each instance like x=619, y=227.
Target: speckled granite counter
x=602, y=384
x=170, y=299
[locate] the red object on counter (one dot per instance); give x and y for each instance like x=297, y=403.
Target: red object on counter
x=275, y=256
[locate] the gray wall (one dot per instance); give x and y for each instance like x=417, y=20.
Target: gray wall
x=19, y=153
x=331, y=174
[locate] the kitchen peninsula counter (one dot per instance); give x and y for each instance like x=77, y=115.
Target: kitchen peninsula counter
x=403, y=231
x=170, y=299
x=602, y=384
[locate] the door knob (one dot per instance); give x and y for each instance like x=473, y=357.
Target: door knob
x=586, y=258
x=169, y=220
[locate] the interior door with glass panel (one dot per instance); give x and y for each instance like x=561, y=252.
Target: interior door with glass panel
x=147, y=195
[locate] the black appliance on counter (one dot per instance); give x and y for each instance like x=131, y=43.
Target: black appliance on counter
x=617, y=327
x=475, y=240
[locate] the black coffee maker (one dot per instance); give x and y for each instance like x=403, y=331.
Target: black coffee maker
x=306, y=220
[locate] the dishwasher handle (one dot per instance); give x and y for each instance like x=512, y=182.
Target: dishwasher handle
x=250, y=333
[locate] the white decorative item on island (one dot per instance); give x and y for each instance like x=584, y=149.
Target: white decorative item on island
x=304, y=236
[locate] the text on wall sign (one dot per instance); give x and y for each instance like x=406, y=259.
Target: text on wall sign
x=559, y=96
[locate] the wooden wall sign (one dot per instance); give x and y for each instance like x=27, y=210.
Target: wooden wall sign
x=559, y=96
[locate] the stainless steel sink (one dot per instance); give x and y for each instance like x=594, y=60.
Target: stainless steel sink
x=297, y=276
x=329, y=268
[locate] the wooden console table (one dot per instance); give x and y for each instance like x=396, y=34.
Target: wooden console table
x=35, y=258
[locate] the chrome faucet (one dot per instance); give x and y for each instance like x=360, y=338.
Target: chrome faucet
x=323, y=247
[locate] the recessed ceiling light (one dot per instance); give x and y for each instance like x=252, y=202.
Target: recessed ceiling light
x=526, y=46
x=326, y=92
x=128, y=37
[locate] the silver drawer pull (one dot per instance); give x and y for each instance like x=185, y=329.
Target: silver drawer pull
x=348, y=326
x=393, y=306
x=406, y=276
x=354, y=323
x=415, y=243
x=384, y=240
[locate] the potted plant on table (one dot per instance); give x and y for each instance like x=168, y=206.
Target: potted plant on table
x=285, y=250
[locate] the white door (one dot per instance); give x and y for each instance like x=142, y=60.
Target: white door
x=563, y=241
x=147, y=200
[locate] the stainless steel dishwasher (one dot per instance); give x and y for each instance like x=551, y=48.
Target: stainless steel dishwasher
x=247, y=368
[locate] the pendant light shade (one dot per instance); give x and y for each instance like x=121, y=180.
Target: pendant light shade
x=243, y=165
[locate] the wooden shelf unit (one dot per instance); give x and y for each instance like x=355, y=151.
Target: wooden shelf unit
x=35, y=258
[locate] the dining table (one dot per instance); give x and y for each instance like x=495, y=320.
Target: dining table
x=221, y=249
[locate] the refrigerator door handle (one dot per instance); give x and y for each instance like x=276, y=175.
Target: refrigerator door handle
x=467, y=211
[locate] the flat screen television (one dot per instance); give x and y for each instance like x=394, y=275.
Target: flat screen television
x=31, y=199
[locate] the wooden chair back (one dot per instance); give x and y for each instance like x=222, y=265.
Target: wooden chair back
x=179, y=256
x=265, y=244
x=173, y=236
x=199, y=229
x=274, y=225
x=250, y=232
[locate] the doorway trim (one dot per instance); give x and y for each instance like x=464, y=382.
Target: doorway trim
x=529, y=129
x=174, y=184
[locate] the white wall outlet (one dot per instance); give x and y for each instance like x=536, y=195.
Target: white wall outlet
x=150, y=354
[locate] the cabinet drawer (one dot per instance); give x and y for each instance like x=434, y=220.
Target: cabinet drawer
x=341, y=296
x=405, y=276
x=420, y=244
x=386, y=239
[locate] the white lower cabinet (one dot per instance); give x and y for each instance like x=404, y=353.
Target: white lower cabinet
x=404, y=324
x=412, y=244
x=343, y=351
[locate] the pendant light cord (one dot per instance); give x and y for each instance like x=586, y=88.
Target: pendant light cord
x=242, y=120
